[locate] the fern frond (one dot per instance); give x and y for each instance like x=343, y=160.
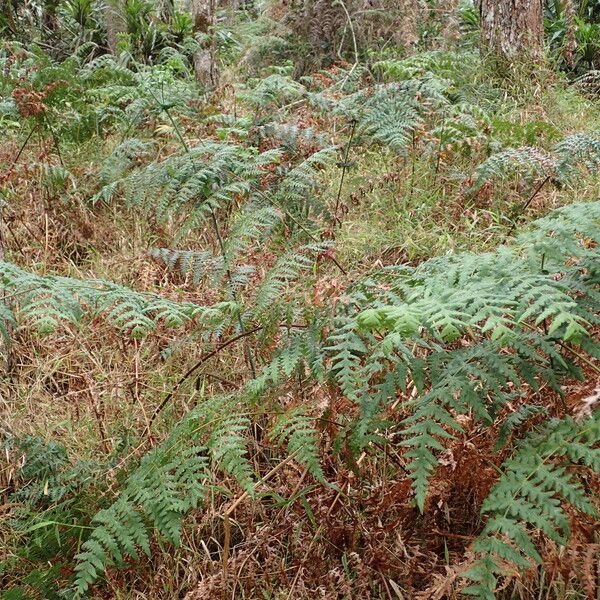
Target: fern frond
x=228, y=449
x=529, y=496
x=274, y=90
x=45, y=301
x=580, y=150
x=526, y=162
x=287, y=269
x=297, y=427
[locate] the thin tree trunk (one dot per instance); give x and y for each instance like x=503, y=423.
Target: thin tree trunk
x=512, y=28
x=204, y=13
x=114, y=20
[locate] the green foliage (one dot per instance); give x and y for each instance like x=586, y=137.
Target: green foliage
x=500, y=301
x=292, y=137
x=529, y=496
x=192, y=185
x=516, y=314
x=272, y=91
x=50, y=494
x=516, y=419
x=288, y=268
x=43, y=302
x=295, y=192
x=297, y=428
x=416, y=355
x=529, y=163
x=573, y=34
x=46, y=475
x=568, y=158
x=171, y=480
x=391, y=113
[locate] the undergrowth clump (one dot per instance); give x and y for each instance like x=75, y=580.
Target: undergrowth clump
x=328, y=333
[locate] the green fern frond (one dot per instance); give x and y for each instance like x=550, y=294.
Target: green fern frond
x=529, y=496
x=297, y=427
x=526, y=162
x=288, y=268
x=517, y=418
x=196, y=264
x=274, y=90
x=228, y=449
x=292, y=137
x=580, y=150
x=45, y=301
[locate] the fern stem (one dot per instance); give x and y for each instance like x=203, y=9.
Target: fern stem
x=23, y=145
x=580, y=356
x=268, y=476
x=172, y=121
x=54, y=138
x=345, y=165
x=354, y=43
x=195, y=367
x=525, y=206
x=588, y=362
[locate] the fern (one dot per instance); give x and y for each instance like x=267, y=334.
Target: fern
x=123, y=158
x=292, y=137
x=45, y=301
x=564, y=162
x=576, y=151
x=498, y=300
x=274, y=90
x=288, y=268
x=171, y=480
x=192, y=185
x=230, y=125
x=346, y=348
x=462, y=128
x=518, y=417
x=251, y=224
x=46, y=475
x=228, y=448
x=188, y=262
x=437, y=63
x=391, y=113
x=528, y=497
x=297, y=428
x=562, y=234
x=399, y=325
x=526, y=162
x=295, y=192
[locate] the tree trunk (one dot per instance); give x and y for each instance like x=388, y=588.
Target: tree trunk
x=203, y=13
x=114, y=20
x=512, y=28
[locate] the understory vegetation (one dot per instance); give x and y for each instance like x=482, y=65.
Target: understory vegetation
x=329, y=330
